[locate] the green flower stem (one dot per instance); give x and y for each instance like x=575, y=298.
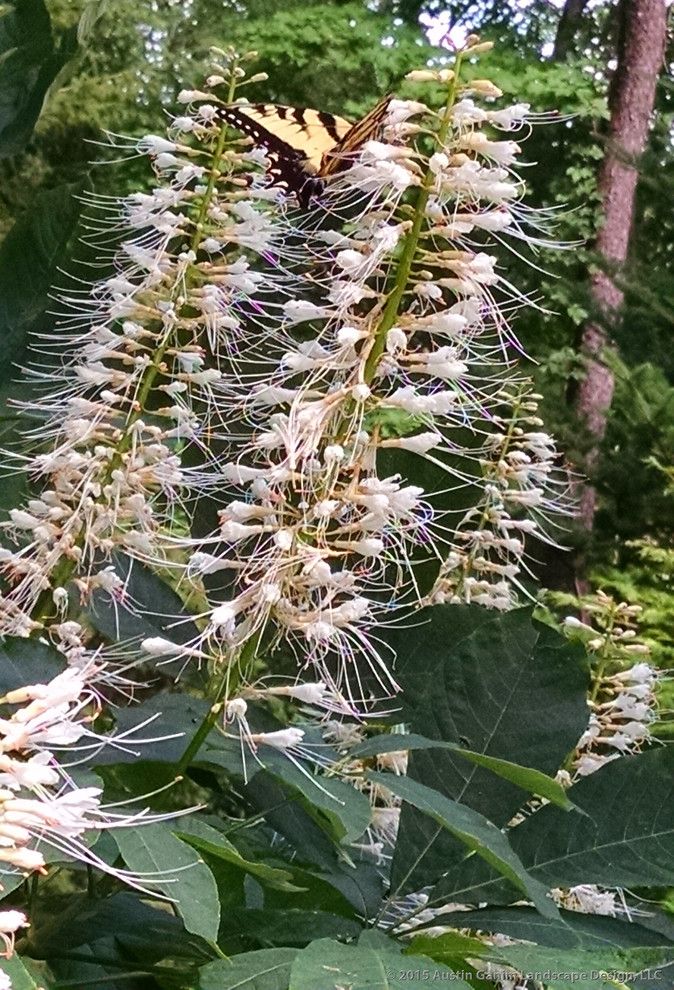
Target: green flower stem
x=392, y=307
x=217, y=951
x=227, y=682
x=204, y=730
x=604, y=657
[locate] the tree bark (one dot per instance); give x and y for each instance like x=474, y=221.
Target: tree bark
x=566, y=29
x=640, y=56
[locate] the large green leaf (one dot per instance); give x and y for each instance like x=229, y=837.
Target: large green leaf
x=268, y=969
x=315, y=850
x=529, y=780
x=347, y=809
x=30, y=60
x=503, y=686
x=171, y=714
x=473, y=830
x=624, y=839
x=288, y=926
x=27, y=661
x=596, y=969
x=24, y=974
x=77, y=920
x=154, y=850
x=29, y=258
x=326, y=965
x=599, y=968
x=210, y=841
x=571, y=930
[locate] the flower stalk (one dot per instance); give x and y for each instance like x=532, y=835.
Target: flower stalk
x=411, y=245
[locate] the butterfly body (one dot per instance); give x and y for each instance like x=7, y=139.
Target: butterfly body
x=305, y=146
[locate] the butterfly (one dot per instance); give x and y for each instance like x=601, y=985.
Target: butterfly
x=305, y=146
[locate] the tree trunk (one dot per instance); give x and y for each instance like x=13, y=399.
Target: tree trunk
x=631, y=101
x=567, y=27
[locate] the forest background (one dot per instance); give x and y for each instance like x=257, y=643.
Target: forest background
x=73, y=69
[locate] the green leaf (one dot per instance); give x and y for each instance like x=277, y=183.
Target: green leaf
x=207, y=839
x=473, y=830
x=315, y=850
x=158, y=610
x=326, y=965
x=268, y=969
x=596, y=969
x=20, y=973
x=189, y=884
x=29, y=258
x=503, y=686
x=571, y=930
x=455, y=945
x=29, y=63
x=529, y=780
x=27, y=661
x=289, y=926
x=77, y=920
x=624, y=839
x=173, y=714
x=347, y=809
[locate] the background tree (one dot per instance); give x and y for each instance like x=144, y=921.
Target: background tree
x=632, y=93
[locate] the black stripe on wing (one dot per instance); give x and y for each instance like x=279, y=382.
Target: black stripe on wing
x=262, y=135
x=289, y=167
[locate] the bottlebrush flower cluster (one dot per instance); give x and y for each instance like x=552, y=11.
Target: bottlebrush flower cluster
x=623, y=703
x=394, y=343
x=623, y=709
x=137, y=384
x=304, y=369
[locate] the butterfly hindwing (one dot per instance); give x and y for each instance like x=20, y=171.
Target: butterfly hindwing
x=366, y=129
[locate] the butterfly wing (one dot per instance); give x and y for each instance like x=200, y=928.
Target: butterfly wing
x=368, y=128
x=305, y=146
x=295, y=138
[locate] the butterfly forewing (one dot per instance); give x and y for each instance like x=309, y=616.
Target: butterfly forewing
x=290, y=132
x=304, y=145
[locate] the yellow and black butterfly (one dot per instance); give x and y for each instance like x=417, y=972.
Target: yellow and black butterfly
x=305, y=146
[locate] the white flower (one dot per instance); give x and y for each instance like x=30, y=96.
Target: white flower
x=301, y=311
x=31, y=774
x=503, y=152
x=157, y=646
x=155, y=145
x=10, y=922
x=282, y=739
x=385, y=823
x=509, y=118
